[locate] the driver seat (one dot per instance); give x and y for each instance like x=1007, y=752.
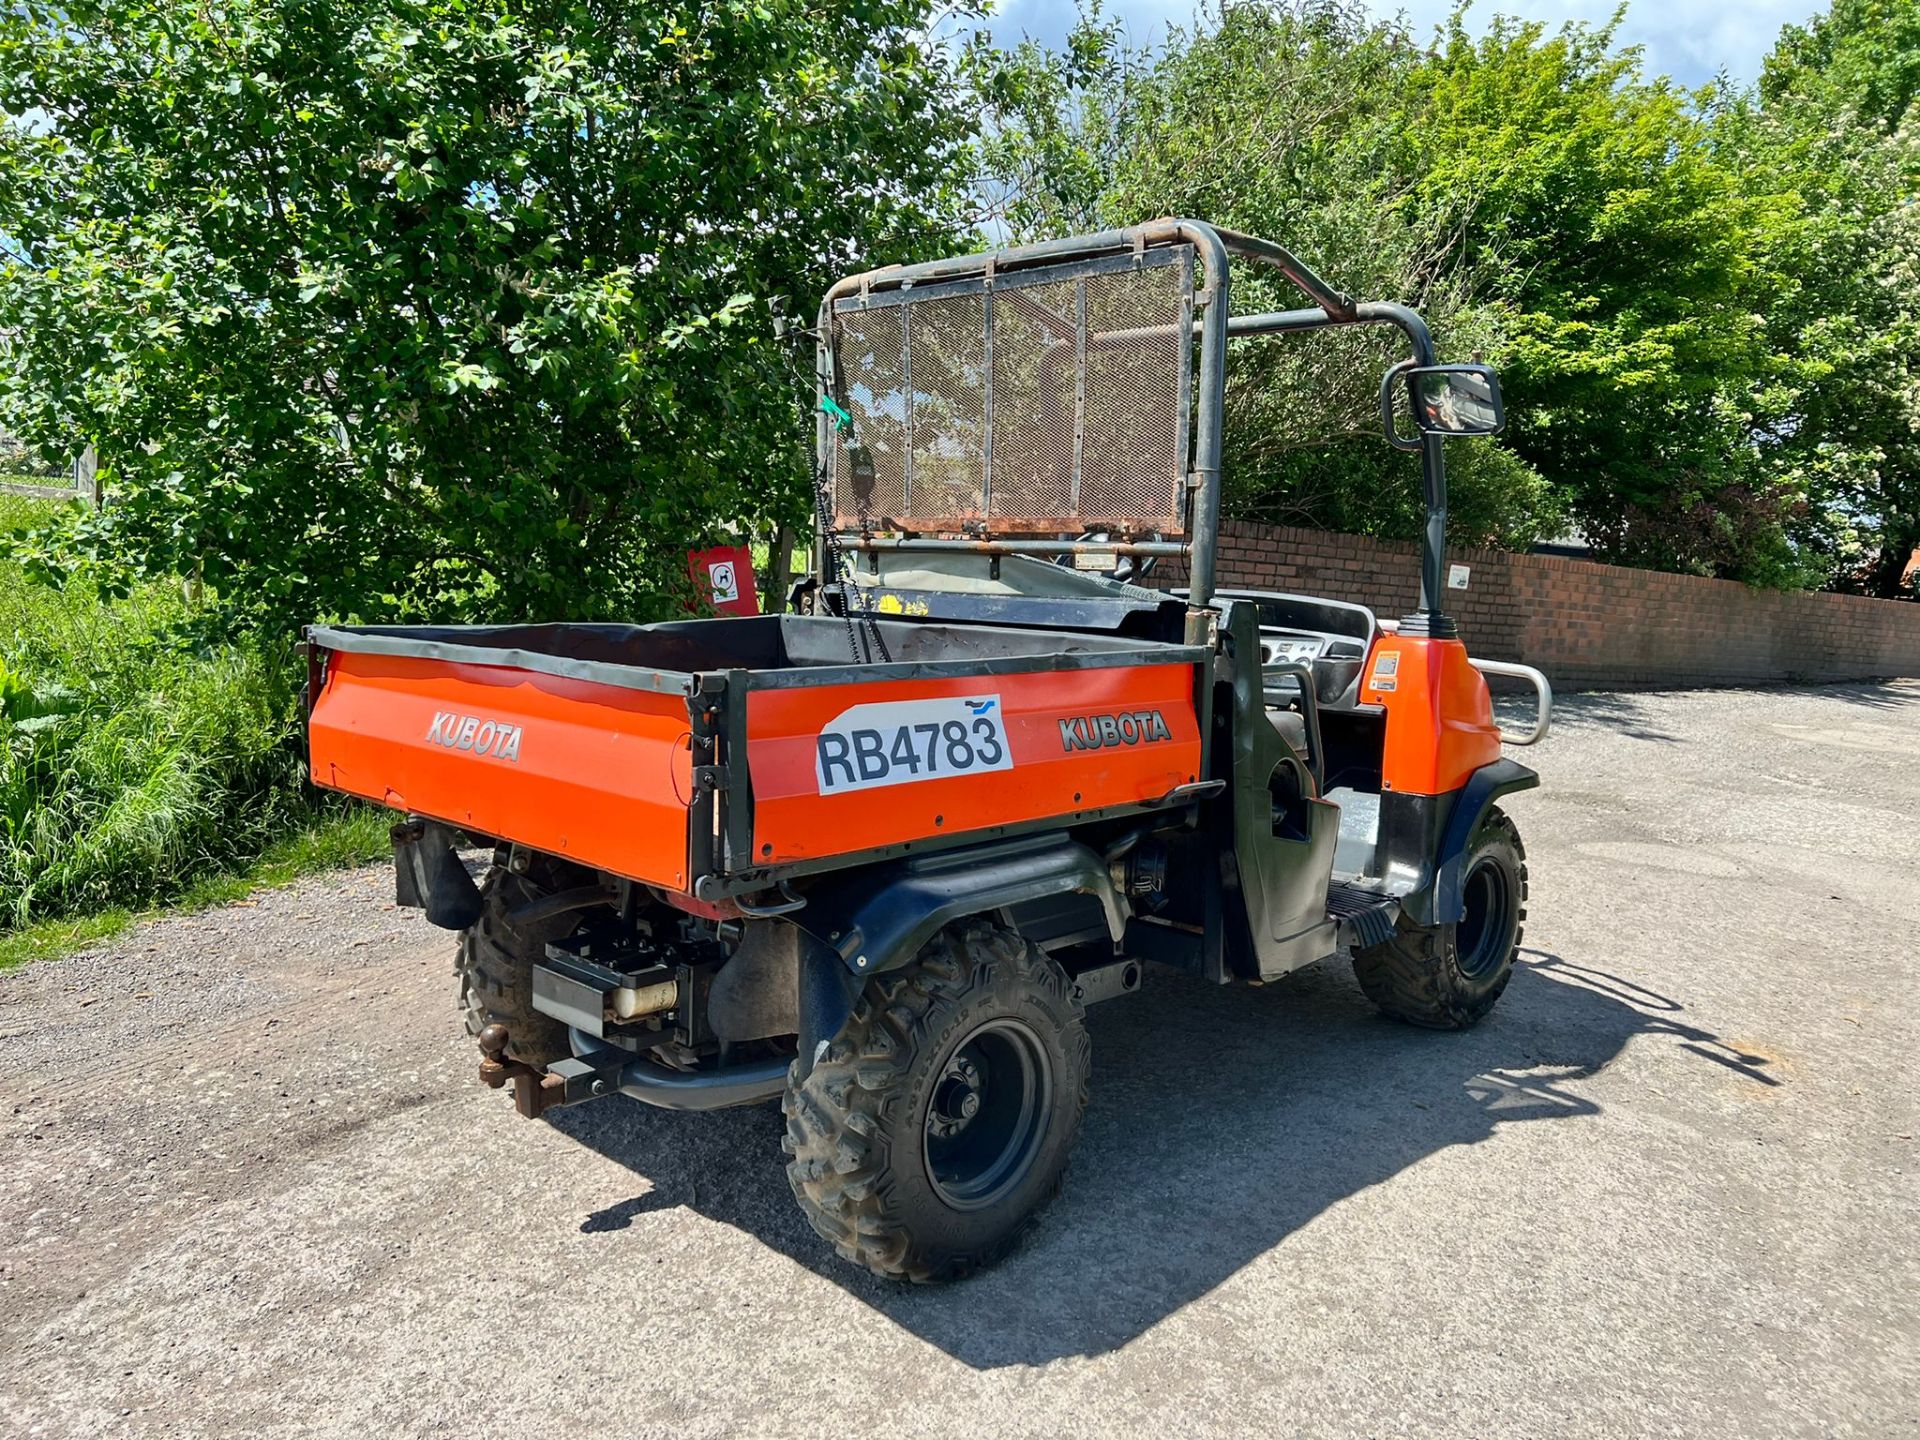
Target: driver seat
x=1291, y=726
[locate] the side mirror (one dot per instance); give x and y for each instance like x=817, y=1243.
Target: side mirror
x=1445, y=400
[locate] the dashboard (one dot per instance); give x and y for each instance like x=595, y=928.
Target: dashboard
x=1331, y=636
x=1279, y=647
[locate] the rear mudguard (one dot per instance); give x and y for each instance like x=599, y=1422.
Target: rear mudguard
x=1439, y=900
x=877, y=919
x=873, y=920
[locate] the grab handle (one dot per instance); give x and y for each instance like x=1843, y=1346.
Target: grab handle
x=1543, y=720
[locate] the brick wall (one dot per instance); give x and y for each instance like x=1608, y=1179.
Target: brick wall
x=1595, y=627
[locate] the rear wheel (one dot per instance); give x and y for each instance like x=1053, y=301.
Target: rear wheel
x=939, y=1120
x=495, y=963
x=1448, y=977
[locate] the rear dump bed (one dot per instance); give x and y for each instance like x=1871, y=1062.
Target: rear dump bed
x=716, y=757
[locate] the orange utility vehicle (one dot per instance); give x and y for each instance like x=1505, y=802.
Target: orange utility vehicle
x=874, y=859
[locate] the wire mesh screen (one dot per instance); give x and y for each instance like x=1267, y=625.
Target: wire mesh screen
x=1051, y=400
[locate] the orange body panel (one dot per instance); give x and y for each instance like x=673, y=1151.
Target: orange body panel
x=599, y=773
x=1074, y=740
x=1440, y=725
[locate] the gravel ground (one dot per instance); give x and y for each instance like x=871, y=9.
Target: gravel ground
x=1668, y=1188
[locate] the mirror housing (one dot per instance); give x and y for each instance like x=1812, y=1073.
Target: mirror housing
x=1445, y=400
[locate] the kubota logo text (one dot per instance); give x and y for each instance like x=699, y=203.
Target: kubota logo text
x=1092, y=732
x=470, y=732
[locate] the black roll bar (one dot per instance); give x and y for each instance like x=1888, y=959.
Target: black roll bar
x=1427, y=618
x=1215, y=325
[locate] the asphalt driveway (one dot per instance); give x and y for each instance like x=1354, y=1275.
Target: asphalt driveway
x=251, y=1189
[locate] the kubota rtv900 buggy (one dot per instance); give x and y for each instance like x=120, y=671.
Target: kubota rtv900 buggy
x=874, y=860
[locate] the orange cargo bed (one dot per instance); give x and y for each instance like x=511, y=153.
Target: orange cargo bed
x=715, y=757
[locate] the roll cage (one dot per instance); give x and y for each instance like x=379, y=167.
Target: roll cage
x=1213, y=324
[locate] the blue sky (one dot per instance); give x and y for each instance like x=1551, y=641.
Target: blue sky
x=1687, y=39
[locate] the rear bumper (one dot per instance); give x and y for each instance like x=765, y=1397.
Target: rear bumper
x=577, y=995
x=654, y=1084
x=601, y=1070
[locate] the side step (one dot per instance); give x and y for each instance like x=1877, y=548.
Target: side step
x=1366, y=916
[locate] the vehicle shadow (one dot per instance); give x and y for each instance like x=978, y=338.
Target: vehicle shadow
x=1886, y=695
x=1619, y=711
x=1221, y=1122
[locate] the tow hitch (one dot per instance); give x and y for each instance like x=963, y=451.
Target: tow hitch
x=604, y=1070
x=536, y=1091
x=533, y=1090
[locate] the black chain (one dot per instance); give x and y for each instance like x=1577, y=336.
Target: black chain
x=837, y=562
x=836, y=555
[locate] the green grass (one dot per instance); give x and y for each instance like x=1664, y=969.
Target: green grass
x=49, y=939
x=132, y=760
x=348, y=835
x=142, y=762
x=17, y=512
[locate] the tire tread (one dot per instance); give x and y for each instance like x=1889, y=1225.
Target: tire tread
x=494, y=963
x=838, y=1114
x=1412, y=976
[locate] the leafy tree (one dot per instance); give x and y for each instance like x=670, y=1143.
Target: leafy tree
x=1833, y=131
x=1288, y=121
x=444, y=308
x=1617, y=245
x=1055, y=126
x=1696, y=299
x=1863, y=56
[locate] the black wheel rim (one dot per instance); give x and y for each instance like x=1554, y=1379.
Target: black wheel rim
x=1481, y=936
x=988, y=1114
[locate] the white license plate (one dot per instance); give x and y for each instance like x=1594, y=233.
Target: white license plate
x=904, y=741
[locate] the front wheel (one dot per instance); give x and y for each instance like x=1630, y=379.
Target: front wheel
x=939, y=1120
x=1447, y=977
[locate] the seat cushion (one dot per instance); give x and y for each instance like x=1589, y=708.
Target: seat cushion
x=1336, y=679
x=1292, y=727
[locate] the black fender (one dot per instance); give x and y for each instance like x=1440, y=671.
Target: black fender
x=877, y=919
x=869, y=921
x=1470, y=806
x=428, y=875
x=827, y=994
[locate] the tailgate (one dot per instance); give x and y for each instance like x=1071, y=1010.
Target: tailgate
x=595, y=769
x=839, y=769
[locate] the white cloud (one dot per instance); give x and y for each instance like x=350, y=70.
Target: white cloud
x=1690, y=40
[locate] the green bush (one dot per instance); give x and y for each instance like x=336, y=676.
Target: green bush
x=136, y=757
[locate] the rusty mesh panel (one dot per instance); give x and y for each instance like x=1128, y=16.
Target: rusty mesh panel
x=1055, y=401
x=947, y=348
x=872, y=358
x=1035, y=382
x=1129, y=465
